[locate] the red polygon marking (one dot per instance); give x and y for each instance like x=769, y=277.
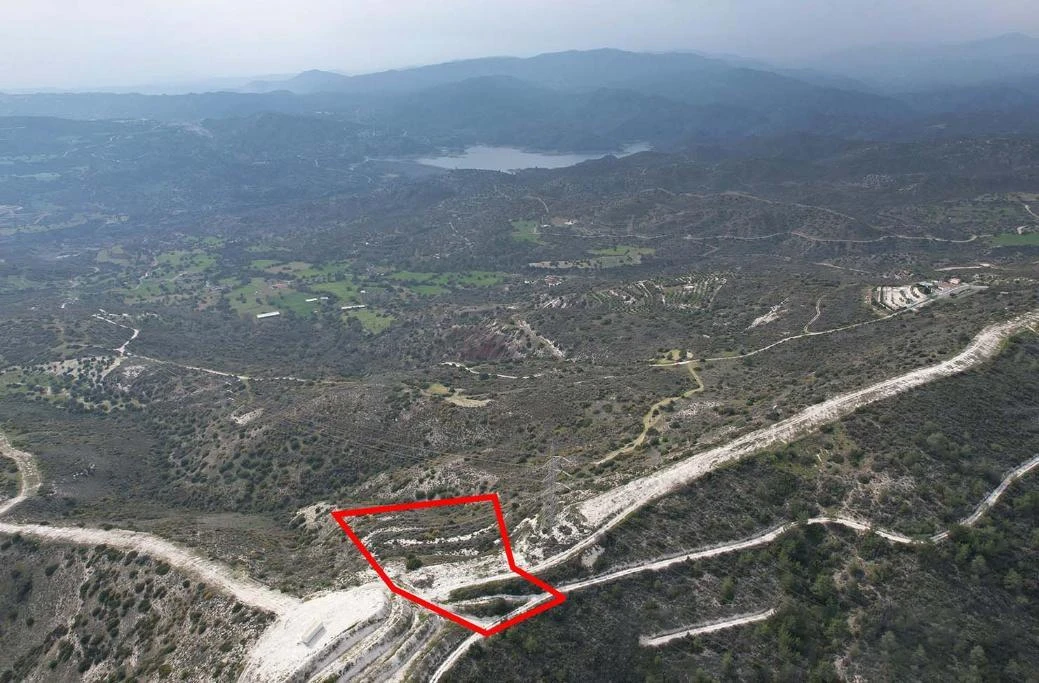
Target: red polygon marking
x=558, y=597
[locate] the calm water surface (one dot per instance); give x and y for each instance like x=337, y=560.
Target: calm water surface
x=485, y=158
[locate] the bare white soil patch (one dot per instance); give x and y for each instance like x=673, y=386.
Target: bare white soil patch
x=696, y=409
x=316, y=516
x=436, y=582
x=466, y=402
x=547, y=344
x=247, y=417
x=589, y=556
x=334, y=621
x=773, y=314
x=448, y=539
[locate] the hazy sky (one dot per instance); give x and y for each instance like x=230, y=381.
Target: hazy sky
x=78, y=43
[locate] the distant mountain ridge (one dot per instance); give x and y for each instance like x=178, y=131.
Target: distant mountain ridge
x=904, y=67
x=598, y=99
x=893, y=67
x=592, y=100
x=313, y=80
x=574, y=69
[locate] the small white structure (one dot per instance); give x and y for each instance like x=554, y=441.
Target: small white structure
x=311, y=633
x=352, y=307
x=268, y=315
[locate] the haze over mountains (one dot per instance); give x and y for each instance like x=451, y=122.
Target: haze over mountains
x=603, y=99
x=886, y=67
x=900, y=67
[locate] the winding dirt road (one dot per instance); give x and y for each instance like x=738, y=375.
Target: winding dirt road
x=123, y=353
x=818, y=313
x=665, y=638
x=28, y=474
x=814, y=238
x=791, y=338
x=761, y=539
x=597, y=515
x=279, y=654
x=652, y=418
x=607, y=509
x=218, y=575
x=135, y=332
x=243, y=589
x=993, y=497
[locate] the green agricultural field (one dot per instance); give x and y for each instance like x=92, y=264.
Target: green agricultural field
x=300, y=270
x=147, y=290
x=42, y=227
x=249, y=298
x=624, y=250
x=428, y=284
x=178, y=273
x=346, y=291
x=291, y=300
x=526, y=231
x=410, y=276
x=373, y=322
x=423, y=284
x=261, y=296
x=209, y=242
x=428, y=290
x=114, y=254
x=333, y=269
x=153, y=289
x=15, y=283
x=1029, y=239
x=185, y=260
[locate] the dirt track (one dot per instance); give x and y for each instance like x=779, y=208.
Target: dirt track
x=28, y=474
x=608, y=509
x=243, y=589
x=601, y=513
x=653, y=417
x=735, y=546
x=664, y=639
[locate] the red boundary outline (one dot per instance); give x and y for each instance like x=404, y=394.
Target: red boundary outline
x=558, y=596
